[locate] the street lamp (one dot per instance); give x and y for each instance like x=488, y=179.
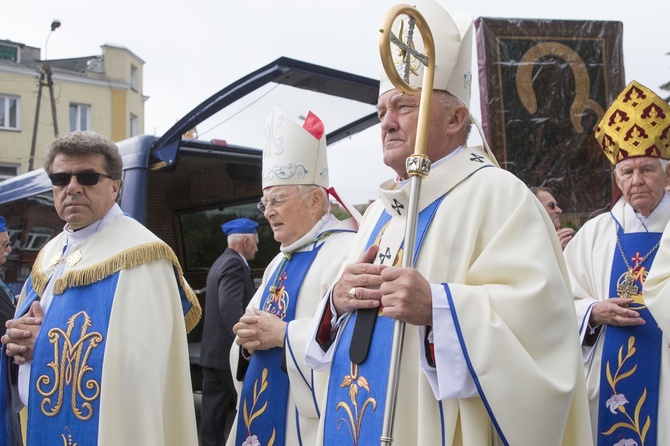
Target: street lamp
x=54, y=25
x=45, y=75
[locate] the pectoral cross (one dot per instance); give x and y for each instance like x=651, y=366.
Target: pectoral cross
x=628, y=287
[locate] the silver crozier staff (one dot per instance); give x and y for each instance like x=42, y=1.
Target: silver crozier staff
x=418, y=164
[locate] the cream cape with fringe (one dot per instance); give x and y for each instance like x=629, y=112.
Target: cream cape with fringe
x=146, y=396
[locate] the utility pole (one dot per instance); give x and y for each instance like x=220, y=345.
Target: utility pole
x=45, y=79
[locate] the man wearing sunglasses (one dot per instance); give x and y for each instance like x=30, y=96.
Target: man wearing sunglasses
x=549, y=202
x=100, y=334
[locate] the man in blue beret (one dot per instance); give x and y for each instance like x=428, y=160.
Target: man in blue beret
x=230, y=287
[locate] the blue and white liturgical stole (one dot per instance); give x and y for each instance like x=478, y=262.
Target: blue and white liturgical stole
x=357, y=392
x=264, y=396
x=631, y=357
x=66, y=372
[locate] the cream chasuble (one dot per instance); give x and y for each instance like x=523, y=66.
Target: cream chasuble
x=505, y=293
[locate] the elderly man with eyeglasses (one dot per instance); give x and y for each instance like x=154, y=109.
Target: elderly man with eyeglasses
x=626, y=354
x=100, y=334
x=280, y=396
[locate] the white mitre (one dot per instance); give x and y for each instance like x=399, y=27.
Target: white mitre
x=294, y=154
x=453, y=50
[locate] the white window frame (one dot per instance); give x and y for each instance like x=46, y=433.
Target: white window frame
x=7, y=99
x=79, y=110
x=15, y=167
x=38, y=237
x=134, y=124
x=134, y=77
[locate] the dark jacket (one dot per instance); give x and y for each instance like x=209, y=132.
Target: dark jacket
x=230, y=287
x=6, y=306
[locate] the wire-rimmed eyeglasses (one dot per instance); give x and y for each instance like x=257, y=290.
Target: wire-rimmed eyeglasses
x=275, y=202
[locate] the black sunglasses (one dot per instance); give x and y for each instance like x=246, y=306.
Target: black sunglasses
x=83, y=178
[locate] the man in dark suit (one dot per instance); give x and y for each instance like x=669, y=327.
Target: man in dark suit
x=230, y=286
x=6, y=295
x=7, y=307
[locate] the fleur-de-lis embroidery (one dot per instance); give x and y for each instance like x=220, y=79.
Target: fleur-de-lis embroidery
x=70, y=365
x=354, y=418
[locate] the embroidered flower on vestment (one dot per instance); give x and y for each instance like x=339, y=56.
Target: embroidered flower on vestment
x=251, y=441
x=615, y=401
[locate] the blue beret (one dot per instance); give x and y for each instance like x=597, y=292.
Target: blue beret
x=3, y=226
x=239, y=226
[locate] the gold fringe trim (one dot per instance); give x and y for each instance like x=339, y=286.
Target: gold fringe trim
x=135, y=256
x=38, y=279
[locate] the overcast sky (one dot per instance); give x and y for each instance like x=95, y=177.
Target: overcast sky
x=194, y=48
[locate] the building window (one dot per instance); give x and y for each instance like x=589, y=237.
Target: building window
x=80, y=117
x=8, y=171
x=9, y=112
x=38, y=237
x=134, y=125
x=9, y=52
x=134, y=78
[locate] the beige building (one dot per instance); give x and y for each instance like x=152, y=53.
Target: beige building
x=102, y=93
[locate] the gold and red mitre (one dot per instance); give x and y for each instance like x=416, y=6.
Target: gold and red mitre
x=636, y=124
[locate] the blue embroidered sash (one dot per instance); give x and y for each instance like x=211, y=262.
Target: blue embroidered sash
x=66, y=371
x=357, y=393
x=631, y=357
x=264, y=396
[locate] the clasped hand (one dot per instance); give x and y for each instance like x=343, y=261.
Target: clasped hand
x=260, y=330
x=21, y=333
x=403, y=292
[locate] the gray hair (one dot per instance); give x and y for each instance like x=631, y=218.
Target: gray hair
x=448, y=100
x=80, y=143
x=662, y=161
x=232, y=238
x=306, y=189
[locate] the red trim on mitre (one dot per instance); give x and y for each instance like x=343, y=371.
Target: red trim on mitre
x=314, y=125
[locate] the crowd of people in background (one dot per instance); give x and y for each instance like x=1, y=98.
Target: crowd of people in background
x=518, y=330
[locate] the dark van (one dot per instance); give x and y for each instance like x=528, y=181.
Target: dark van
x=184, y=188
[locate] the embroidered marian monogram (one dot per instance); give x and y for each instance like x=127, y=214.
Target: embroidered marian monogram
x=70, y=366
